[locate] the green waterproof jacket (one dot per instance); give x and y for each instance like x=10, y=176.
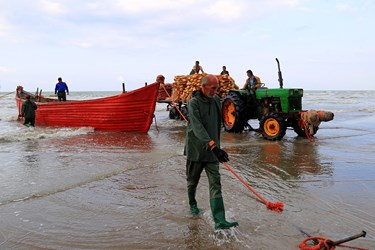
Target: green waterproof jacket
x=204, y=125
x=28, y=109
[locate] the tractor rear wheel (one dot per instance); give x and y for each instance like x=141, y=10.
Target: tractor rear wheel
x=273, y=127
x=234, y=113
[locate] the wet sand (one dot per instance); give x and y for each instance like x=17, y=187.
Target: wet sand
x=90, y=190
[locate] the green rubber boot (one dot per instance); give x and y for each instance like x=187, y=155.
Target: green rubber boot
x=193, y=204
x=218, y=213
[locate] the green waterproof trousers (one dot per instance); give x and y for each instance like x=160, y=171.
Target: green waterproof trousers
x=193, y=174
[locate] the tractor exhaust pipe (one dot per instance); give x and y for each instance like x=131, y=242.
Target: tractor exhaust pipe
x=280, y=75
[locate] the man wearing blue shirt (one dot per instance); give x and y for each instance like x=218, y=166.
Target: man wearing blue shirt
x=60, y=89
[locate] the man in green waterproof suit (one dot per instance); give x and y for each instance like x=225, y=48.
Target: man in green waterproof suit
x=28, y=111
x=202, y=148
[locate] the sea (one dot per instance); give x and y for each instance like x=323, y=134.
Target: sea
x=76, y=188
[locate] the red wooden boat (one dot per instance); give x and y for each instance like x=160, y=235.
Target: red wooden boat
x=127, y=112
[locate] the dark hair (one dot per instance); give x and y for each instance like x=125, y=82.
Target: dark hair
x=249, y=71
x=197, y=62
x=59, y=79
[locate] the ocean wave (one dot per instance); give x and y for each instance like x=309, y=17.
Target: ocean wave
x=21, y=133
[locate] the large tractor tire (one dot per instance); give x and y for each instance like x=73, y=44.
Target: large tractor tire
x=234, y=113
x=273, y=127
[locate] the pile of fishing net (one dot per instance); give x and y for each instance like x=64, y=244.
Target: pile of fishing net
x=184, y=85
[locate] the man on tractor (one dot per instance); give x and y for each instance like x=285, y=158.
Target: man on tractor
x=252, y=82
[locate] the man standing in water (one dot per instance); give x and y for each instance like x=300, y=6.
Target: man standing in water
x=28, y=111
x=60, y=89
x=202, y=148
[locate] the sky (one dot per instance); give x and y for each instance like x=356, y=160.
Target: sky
x=98, y=45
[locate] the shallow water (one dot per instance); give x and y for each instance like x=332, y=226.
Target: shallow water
x=79, y=189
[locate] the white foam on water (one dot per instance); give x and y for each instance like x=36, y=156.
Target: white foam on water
x=222, y=236
x=23, y=133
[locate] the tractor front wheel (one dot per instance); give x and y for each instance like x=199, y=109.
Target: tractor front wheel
x=273, y=127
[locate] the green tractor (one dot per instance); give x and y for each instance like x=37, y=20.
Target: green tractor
x=276, y=109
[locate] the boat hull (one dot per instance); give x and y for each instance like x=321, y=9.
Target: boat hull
x=127, y=112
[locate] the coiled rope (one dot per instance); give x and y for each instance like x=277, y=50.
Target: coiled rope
x=320, y=243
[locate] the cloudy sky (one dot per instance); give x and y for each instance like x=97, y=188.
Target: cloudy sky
x=97, y=45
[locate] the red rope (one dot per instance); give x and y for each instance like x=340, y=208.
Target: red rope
x=322, y=244
x=303, y=125
x=277, y=207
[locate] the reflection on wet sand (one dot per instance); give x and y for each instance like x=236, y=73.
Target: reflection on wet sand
x=296, y=158
x=287, y=159
x=80, y=189
x=126, y=141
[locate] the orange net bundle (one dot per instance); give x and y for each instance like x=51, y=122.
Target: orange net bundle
x=184, y=85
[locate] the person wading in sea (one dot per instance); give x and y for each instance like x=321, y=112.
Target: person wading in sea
x=28, y=112
x=202, y=148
